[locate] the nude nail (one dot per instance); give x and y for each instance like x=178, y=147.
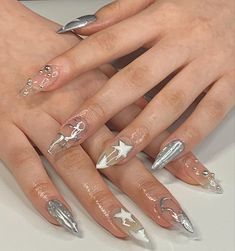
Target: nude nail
x=44, y=78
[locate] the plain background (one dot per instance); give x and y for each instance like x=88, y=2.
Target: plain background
x=22, y=229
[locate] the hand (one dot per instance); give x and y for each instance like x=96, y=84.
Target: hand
x=193, y=39
x=36, y=120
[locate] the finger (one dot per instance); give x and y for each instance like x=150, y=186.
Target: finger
x=208, y=114
x=137, y=79
x=139, y=184
x=78, y=172
x=187, y=168
x=161, y=112
x=98, y=49
x=27, y=168
x=108, y=15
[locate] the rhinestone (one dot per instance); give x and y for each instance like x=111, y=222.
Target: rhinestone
x=47, y=69
x=205, y=173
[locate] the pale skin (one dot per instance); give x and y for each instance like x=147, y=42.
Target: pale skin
x=195, y=39
x=37, y=119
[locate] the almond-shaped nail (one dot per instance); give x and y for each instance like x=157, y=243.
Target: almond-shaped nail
x=169, y=153
x=77, y=23
x=130, y=225
x=70, y=133
x=173, y=213
x=113, y=154
x=200, y=174
x=44, y=78
x=63, y=216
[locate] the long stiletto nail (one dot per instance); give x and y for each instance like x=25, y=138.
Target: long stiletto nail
x=113, y=154
x=128, y=223
x=78, y=23
x=172, y=213
x=45, y=77
x=69, y=134
x=168, y=154
x=200, y=174
x=63, y=216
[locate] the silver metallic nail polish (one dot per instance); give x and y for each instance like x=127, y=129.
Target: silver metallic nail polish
x=175, y=215
x=63, y=216
x=78, y=23
x=168, y=154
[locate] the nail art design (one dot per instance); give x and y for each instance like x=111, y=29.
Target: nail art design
x=168, y=154
x=45, y=77
x=78, y=23
x=200, y=174
x=131, y=226
x=113, y=155
x=71, y=132
x=63, y=216
x=172, y=213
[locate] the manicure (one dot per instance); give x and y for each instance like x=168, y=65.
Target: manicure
x=69, y=134
x=172, y=213
x=200, y=174
x=129, y=224
x=45, y=77
x=114, y=154
x=78, y=23
x=63, y=216
x=169, y=153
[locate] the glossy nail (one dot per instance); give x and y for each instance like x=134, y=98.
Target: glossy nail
x=172, y=213
x=63, y=216
x=69, y=134
x=78, y=23
x=45, y=77
x=198, y=172
x=113, y=154
x=128, y=223
x=168, y=154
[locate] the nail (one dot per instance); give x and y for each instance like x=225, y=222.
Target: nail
x=198, y=172
x=78, y=23
x=69, y=134
x=168, y=154
x=172, y=213
x=112, y=155
x=130, y=225
x=45, y=77
x=63, y=216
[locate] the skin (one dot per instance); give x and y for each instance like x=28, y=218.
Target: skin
x=194, y=39
x=37, y=119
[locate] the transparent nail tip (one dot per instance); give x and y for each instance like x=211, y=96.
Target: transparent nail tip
x=213, y=186
x=132, y=227
x=169, y=153
x=58, y=145
x=78, y=23
x=63, y=216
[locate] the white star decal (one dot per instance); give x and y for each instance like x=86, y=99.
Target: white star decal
x=124, y=216
x=123, y=149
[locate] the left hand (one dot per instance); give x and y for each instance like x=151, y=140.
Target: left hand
x=193, y=39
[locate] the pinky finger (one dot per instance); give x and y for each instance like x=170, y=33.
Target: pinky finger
x=208, y=114
x=24, y=163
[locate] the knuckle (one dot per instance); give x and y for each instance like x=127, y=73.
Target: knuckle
x=135, y=75
x=23, y=158
x=72, y=160
x=100, y=197
x=215, y=109
x=140, y=134
x=96, y=111
x=191, y=134
x=175, y=99
x=106, y=41
x=40, y=190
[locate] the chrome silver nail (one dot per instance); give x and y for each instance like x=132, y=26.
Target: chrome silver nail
x=78, y=23
x=168, y=154
x=63, y=216
x=177, y=215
